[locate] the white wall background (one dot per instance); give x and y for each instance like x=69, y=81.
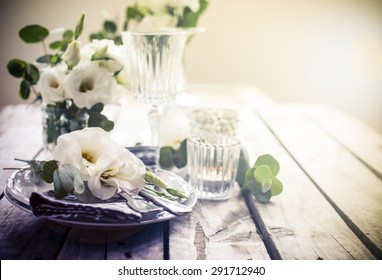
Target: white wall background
x=294, y=50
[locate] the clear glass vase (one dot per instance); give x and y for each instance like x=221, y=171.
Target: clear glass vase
x=59, y=119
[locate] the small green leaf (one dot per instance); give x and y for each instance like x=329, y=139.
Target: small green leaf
x=33, y=33
x=24, y=89
x=47, y=171
x=243, y=167
x=180, y=157
x=55, y=45
x=269, y=161
x=67, y=180
x=32, y=74
x=276, y=187
x=16, y=67
x=36, y=170
x=67, y=36
x=249, y=175
x=45, y=59
x=80, y=26
x=98, y=107
x=263, y=175
x=110, y=26
x=263, y=197
x=253, y=186
x=166, y=157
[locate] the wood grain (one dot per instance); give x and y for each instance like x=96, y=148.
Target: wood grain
x=348, y=185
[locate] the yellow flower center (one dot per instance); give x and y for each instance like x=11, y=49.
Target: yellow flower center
x=88, y=157
x=86, y=85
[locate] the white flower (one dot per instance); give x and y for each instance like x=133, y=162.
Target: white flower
x=72, y=54
x=106, y=166
x=105, y=49
x=51, y=84
x=153, y=23
x=88, y=84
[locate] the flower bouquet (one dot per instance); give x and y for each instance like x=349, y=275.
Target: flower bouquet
x=73, y=84
x=88, y=168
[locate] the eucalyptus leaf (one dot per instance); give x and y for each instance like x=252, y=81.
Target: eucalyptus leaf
x=98, y=107
x=263, y=175
x=36, y=170
x=86, y=196
x=47, y=170
x=24, y=89
x=263, y=197
x=180, y=157
x=33, y=33
x=16, y=67
x=55, y=45
x=276, y=187
x=67, y=180
x=270, y=161
x=45, y=59
x=249, y=175
x=166, y=157
x=110, y=26
x=67, y=36
x=253, y=186
x=32, y=74
x=243, y=167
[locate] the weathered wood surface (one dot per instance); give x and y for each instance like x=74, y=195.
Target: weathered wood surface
x=329, y=209
x=352, y=190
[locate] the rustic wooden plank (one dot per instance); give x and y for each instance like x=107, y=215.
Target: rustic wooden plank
x=144, y=243
x=302, y=223
x=129, y=244
x=23, y=236
x=360, y=139
x=350, y=187
x=215, y=231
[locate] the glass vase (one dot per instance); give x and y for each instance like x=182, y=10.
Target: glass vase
x=59, y=119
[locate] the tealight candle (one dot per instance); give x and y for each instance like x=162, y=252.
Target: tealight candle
x=212, y=165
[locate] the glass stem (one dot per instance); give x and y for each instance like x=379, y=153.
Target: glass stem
x=154, y=118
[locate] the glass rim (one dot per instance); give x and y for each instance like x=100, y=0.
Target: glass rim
x=196, y=140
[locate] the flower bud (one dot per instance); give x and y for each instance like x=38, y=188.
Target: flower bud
x=72, y=54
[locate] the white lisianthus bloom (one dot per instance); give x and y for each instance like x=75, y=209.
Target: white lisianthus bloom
x=88, y=84
x=105, y=49
x=106, y=166
x=51, y=84
x=153, y=23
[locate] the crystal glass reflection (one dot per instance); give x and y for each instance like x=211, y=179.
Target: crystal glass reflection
x=155, y=68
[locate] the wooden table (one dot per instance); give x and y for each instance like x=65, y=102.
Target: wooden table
x=331, y=206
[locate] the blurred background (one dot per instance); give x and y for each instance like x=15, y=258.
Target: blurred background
x=327, y=51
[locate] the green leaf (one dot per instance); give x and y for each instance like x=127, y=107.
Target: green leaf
x=166, y=157
x=36, y=170
x=33, y=33
x=249, y=175
x=243, y=167
x=47, y=171
x=97, y=36
x=263, y=197
x=180, y=157
x=133, y=13
x=110, y=26
x=56, y=59
x=16, y=67
x=45, y=59
x=32, y=74
x=263, y=175
x=190, y=18
x=97, y=108
x=67, y=36
x=80, y=26
x=276, y=187
x=56, y=45
x=67, y=180
x=24, y=89
x=269, y=161
x=253, y=186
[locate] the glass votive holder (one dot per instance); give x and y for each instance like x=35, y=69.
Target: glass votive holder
x=213, y=121
x=212, y=161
